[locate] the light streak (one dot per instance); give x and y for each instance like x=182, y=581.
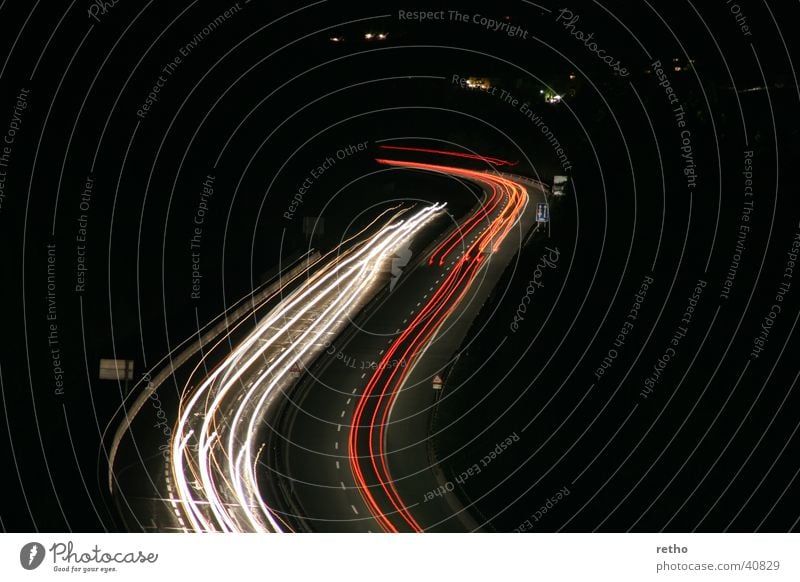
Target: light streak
x=214, y=447
x=367, y=437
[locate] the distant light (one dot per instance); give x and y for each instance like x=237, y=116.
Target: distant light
x=541, y=91
x=678, y=69
x=551, y=96
x=382, y=36
x=478, y=83
x=572, y=76
x=337, y=39
x=369, y=36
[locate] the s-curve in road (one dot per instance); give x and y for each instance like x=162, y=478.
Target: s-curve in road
x=217, y=440
x=354, y=452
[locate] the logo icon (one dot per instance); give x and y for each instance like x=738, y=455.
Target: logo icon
x=398, y=262
x=31, y=555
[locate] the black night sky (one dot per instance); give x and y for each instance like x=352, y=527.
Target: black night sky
x=148, y=176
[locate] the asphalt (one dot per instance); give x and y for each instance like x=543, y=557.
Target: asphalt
x=308, y=473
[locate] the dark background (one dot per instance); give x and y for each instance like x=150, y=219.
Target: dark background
x=713, y=448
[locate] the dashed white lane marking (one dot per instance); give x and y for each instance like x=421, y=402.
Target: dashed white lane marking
x=431, y=289
x=336, y=445
x=348, y=401
x=354, y=391
x=342, y=415
x=380, y=353
x=405, y=320
x=337, y=465
x=425, y=296
x=338, y=428
x=353, y=507
x=342, y=484
x=418, y=304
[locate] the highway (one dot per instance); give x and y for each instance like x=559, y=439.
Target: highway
x=354, y=455
x=318, y=417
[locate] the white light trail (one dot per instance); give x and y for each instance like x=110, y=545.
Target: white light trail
x=214, y=446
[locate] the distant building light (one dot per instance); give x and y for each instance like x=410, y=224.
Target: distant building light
x=478, y=83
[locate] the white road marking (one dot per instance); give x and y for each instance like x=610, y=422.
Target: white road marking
x=353, y=507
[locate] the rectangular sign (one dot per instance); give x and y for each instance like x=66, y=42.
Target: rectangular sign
x=542, y=212
x=116, y=369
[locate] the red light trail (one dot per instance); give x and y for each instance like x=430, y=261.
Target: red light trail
x=367, y=436
x=492, y=161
